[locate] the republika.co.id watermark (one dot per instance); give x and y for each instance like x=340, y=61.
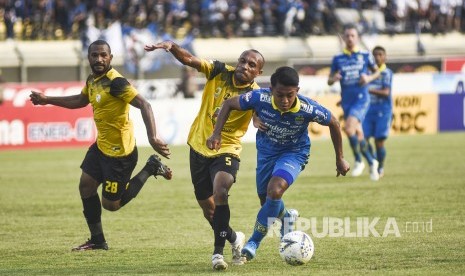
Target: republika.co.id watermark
x=359, y=227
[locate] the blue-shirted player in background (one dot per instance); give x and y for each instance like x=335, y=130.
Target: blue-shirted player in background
x=352, y=69
x=378, y=118
x=283, y=144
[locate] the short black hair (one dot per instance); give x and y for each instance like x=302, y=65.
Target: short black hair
x=379, y=48
x=99, y=42
x=286, y=76
x=350, y=26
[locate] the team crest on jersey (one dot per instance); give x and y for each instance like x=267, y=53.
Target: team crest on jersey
x=247, y=96
x=218, y=92
x=98, y=98
x=299, y=120
x=359, y=58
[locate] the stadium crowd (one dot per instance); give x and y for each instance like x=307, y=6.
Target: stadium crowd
x=68, y=19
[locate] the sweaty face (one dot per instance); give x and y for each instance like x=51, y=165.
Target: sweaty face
x=249, y=66
x=99, y=59
x=284, y=96
x=350, y=38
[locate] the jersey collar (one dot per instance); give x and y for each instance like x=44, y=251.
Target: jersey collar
x=293, y=109
x=382, y=67
x=240, y=86
x=102, y=75
x=348, y=52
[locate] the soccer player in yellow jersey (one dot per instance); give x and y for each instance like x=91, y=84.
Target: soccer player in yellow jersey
x=112, y=158
x=214, y=171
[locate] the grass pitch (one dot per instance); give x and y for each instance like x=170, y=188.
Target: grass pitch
x=163, y=231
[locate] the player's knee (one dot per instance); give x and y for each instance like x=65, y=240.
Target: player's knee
x=86, y=190
x=275, y=192
x=111, y=205
x=349, y=130
x=221, y=196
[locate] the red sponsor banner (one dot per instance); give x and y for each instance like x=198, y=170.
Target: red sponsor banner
x=23, y=125
x=454, y=65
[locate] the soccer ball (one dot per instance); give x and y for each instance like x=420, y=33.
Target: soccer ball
x=296, y=248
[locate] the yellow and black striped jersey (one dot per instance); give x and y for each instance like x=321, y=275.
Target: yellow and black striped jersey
x=109, y=96
x=219, y=87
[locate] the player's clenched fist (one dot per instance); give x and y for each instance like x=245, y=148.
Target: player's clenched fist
x=214, y=142
x=37, y=98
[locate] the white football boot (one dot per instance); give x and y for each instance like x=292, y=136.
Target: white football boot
x=374, y=174
x=236, y=248
x=218, y=262
x=358, y=168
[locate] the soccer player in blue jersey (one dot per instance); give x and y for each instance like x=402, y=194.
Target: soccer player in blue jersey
x=378, y=118
x=352, y=69
x=283, y=146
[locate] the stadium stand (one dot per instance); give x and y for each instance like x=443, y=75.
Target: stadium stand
x=43, y=34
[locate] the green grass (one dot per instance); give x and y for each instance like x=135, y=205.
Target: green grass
x=163, y=231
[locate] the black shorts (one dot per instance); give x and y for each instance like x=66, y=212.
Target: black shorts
x=204, y=169
x=113, y=172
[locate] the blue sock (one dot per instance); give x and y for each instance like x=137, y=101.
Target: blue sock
x=381, y=153
x=266, y=216
x=353, y=140
x=370, y=149
x=366, y=152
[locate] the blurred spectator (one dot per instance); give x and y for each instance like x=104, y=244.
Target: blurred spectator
x=69, y=19
x=7, y=11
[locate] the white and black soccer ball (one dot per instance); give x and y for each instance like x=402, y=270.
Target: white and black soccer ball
x=296, y=248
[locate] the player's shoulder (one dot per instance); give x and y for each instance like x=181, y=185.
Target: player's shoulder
x=364, y=52
x=388, y=71
x=113, y=74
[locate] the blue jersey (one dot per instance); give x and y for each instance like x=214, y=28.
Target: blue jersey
x=351, y=65
x=381, y=103
x=287, y=131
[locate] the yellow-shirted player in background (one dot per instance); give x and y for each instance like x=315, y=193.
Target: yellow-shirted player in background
x=214, y=172
x=112, y=158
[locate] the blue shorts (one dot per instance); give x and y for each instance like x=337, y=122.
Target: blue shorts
x=286, y=165
x=357, y=108
x=377, y=124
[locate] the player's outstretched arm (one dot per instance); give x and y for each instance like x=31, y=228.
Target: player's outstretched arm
x=71, y=102
x=214, y=141
x=342, y=166
x=147, y=115
x=181, y=54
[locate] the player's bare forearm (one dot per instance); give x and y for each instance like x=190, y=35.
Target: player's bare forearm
x=342, y=166
x=181, y=54
x=149, y=122
x=214, y=141
x=336, y=136
x=380, y=92
x=70, y=102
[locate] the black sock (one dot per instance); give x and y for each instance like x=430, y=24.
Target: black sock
x=93, y=213
x=134, y=186
x=221, y=227
x=230, y=236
